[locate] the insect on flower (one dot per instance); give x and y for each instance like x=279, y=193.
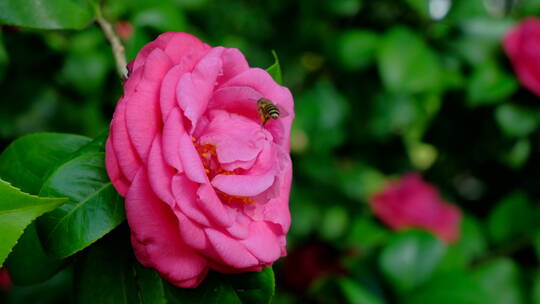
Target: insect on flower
x=269, y=110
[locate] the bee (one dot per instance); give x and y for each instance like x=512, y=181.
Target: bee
x=268, y=110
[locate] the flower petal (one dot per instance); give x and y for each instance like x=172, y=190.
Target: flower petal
x=161, y=245
x=128, y=161
x=262, y=242
x=173, y=130
x=243, y=185
x=118, y=180
x=159, y=173
x=230, y=251
x=185, y=193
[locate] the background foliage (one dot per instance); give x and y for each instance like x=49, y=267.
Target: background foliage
x=381, y=88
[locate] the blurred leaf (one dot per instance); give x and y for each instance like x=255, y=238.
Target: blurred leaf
x=105, y=275
x=275, y=69
x=501, y=281
x=449, y=288
x=356, y=294
x=410, y=258
x=321, y=112
x=422, y=155
x=392, y=114
x=356, y=48
x=213, y=290
x=4, y=59
x=54, y=14
x=420, y=6
x=510, y=219
x=18, y=210
x=30, y=251
x=94, y=207
x=489, y=84
x=515, y=120
x=365, y=234
x=26, y=160
x=536, y=289
x=334, y=223
x=359, y=181
x=165, y=17
x=407, y=64
x=518, y=154
x=150, y=285
x=344, y=7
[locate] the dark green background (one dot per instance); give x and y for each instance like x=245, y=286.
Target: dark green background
x=381, y=89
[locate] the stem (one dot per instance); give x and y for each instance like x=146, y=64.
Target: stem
x=117, y=47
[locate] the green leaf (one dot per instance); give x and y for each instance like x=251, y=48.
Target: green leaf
x=501, y=281
x=213, y=290
x=25, y=162
x=407, y=64
x=536, y=289
x=275, y=69
x=151, y=286
x=254, y=287
x=105, y=275
x=355, y=293
x=515, y=120
x=510, y=219
x=489, y=84
x=518, y=154
x=94, y=207
x=18, y=210
x=30, y=251
x=449, y=288
x=410, y=259
x=356, y=48
x=52, y=14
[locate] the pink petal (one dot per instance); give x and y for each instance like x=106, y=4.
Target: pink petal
x=143, y=117
x=159, y=43
x=159, y=173
x=190, y=159
x=262, y=82
x=167, y=95
x=191, y=233
x=128, y=160
x=277, y=209
x=230, y=251
x=262, y=243
x=185, y=193
x=234, y=63
x=195, y=89
x=161, y=243
x=185, y=50
x=118, y=180
x=243, y=185
x=212, y=205
x=172, y=132
x=239, y=100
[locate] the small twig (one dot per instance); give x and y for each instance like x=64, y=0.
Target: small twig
x=117, y=47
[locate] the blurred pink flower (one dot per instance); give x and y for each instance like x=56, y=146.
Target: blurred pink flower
x=522, y=45
x=206, y=184
x=412, y=203
x=5, y=281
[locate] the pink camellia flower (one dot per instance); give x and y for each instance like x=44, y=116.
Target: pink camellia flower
x=206, y=184
x=5, y=280
x=522, y=45
x=412, y=203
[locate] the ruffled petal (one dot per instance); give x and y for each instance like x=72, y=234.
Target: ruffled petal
x=243, y=185
x=118, y=180
x=212, y=205
x=190, y=159
x=185, y=50
x=143, y=117
x=128, y=161
x=185, y=194
x=195, y=89
x=159, y=173
x=262, y=243
x=230, y=251
x=161, y=243
x=173, y=130
x=239, y=100
x=234, y=63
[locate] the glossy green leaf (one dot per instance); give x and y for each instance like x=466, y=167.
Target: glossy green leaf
x=511, y=218
x=213, y=290
x=94, y=207
x=151, y=286
x=515, y=120
x=25, y=162
x=51, y=14
x=275, y=69
x=410, y=259
x=407, y=64
x=105, y=275
x=449, y=288
x=355, y=293
x=30, y=251
x=501, y=281
x=18, y=210
x=254, y=287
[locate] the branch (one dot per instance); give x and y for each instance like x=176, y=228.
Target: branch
x=117, y=47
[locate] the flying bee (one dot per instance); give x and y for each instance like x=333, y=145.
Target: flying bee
x=268, y=110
